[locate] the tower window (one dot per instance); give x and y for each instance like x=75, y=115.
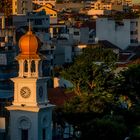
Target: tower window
x=25, y=66
x=24, y=134
x=33, y=66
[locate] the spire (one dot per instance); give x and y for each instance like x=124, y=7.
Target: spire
x=29, y=25
x=29, y=28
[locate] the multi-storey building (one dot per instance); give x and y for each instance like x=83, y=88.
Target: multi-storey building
x=122, y=33
x=123, y=2
x=49, y=9
x=127, y=2
x=103, y=5
x=21, y=7
x=8, y=69
x=44, y=2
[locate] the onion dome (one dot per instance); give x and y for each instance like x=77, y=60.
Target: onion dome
x=28, y=44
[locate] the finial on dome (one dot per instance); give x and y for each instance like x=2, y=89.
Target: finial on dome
x=29, y=28
x=29, y=25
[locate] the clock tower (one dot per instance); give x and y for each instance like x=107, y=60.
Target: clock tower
x=31, y=112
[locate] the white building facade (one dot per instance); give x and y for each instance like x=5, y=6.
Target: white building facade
x=121, y=33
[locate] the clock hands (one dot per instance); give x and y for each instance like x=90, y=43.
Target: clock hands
x=25, y=92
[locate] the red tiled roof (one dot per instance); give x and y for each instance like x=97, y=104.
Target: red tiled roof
x=58, y=96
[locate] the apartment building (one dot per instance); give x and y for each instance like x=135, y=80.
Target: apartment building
x=48, y=8
x=103, y=5
x=122, y=33
x=44, y=2
x=21, y=7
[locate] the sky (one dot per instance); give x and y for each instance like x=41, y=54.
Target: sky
x=136, y=1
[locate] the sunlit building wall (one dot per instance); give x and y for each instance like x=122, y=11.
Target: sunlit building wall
x=121, y=33
x=123, y=2
x=44, y=2
x=98, y=5
x=48, y=8
x=127, y=2
x=21, y=7
x=104, y=5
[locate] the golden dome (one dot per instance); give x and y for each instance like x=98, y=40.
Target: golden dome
x=28, y=43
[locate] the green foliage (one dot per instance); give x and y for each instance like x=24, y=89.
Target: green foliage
x=136, y=133
x=92, y=70
x=129, y=83
x=101, y=92
x=97, y=102
x=104, y=129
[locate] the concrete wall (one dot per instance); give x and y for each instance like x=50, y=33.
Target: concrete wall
x=79, y=34
x=63, y=52
x=117, y=33
x=69, y=6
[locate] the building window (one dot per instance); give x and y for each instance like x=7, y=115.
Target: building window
x=24, y=134
x=76, y=33
x=136, y=24
x=134, y=40
x=134, y=32
x=38, y=22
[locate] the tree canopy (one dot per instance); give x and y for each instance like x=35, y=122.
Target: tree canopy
x=91, y=70
x=103, y=98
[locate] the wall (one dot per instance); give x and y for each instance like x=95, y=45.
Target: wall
x=117, y=33
x=21, y=7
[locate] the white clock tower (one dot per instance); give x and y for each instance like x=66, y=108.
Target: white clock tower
x=31, y=113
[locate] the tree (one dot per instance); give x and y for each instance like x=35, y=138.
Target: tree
x=129, y=83
x=93, y=103
x=106, y=128
x=91, y=74
x=92, y=70
x=102, y=93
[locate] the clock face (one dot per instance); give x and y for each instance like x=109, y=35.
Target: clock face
x=40, y=91
x=25, y=92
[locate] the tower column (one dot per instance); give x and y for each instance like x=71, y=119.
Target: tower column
x=21, y=63
x=29, y=68
x=36, y=69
